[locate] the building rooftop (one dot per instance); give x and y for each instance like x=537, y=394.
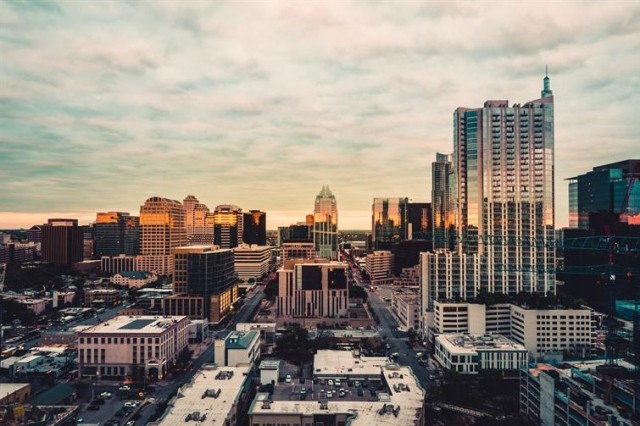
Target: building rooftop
x=134, y=325
x=469, y=343
x=345, y=363
x=137, y=275
x=401, y=405
x=9, y=388
x=269, y=364
x=212, y=393
x=240, y=339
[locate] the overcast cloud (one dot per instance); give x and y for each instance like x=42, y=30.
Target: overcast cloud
x=104, y=104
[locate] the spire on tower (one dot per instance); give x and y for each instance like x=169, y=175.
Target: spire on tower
x=546, y=87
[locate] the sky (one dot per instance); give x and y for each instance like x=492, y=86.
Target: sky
x=105, y=104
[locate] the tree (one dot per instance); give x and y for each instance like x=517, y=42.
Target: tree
x=294, y=346
x=355, y=291
x=13, y=310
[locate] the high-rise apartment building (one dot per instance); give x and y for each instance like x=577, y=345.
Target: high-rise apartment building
x=62, y=242
x=442, y=202
x=227, y=226
x=504, y=193
x=116, y=233
x=161, y=229
x=325, y=224
x=255, y=227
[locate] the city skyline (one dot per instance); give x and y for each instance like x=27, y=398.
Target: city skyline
x=259, y=105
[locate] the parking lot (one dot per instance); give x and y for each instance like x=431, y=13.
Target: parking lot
x=321, y=389
x=111, y=410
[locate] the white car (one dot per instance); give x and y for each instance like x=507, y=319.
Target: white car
x=338, y=383
x=330, y=382
x=105, y=395
x=287, y=379
x=329, y=394
x=131, y=404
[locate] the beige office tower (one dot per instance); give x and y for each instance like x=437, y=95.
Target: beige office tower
x=162, y=227
x=325, y=224
x=199, y=229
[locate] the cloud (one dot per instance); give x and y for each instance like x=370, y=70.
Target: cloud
x=259, y=104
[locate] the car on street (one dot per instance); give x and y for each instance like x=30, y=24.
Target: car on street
x=124, y=388
x=131, y=404
x=106, y=395
x=93, y=407
x=79, y=420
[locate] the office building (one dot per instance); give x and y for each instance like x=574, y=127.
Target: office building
x=394, y=395
x=442, y=202
x=406, y=309
x=471, y=354
x=606, y=196
x=117, y=264
x=116, y=233
x=237, y=348
x=290, y=251
x=407, y=254
x=102, y=296
x=34, y=234
x=379, y=267
x=312, y=289
x=255, y=228
x=419, y=219
x=161, y=229
x=227, y=226
x=388, y=222
x=251, y=262
x=112, y=349
x=540, y=331
x=325, y=224
x=62, y=242
x=504, y=211
x=198, y=222
x=215, y=395
x=204, y=283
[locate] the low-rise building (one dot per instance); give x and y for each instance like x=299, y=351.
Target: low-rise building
x=102, y=296
x=470, y=354
x=215, y=395
x=133, y=279
x=116, y=347
x=237, y=348
x=15, y=393
x=379, y=267
x=117, y=264
x=38, y=306
x=301, y=250
x=251, y=261
x=540, y=331
x=391, y=396
x=406, y=308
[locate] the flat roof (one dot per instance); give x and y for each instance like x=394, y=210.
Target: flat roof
x=471, y=343
x=269, y=364
x=404, y=393
x=240, y=339
x=200, y=395
x=330, y=363
x=134, y=324
x=9, y=388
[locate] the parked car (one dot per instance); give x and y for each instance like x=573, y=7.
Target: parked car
x=360, y=392
x=330, y=382
x=329, y=394
x=338, y=383
x=342, y=393
x=106, y=395
x=287, y=379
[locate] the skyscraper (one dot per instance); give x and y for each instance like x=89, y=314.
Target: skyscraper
x=116, y=233
x=255, y=228
x=442, y=202
x=198, y=221
x=62, y=242
x=504, y=191
x=161, y=229
x=227, y=226
x=388, y=222
x=325, y=224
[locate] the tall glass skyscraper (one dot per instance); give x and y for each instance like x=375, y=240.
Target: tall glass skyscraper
x=325, y=224
x=442, y=202
x=502, y=161
x=388, y=222
x=116, y=233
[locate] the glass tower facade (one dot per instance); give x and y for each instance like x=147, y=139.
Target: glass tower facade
x=502, y=187
x=388, y=222
x=116, y=233
x=325, y=224
x=443, y=224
